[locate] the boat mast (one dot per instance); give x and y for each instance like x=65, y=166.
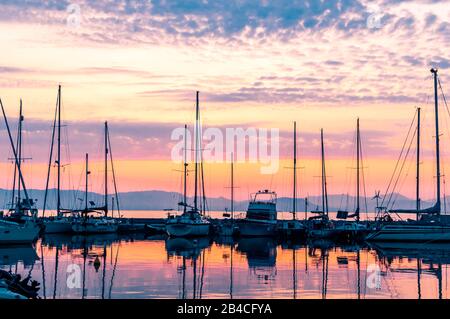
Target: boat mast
x=358, y=150
x=19, y=150
x=116, y=193
x=306, y=208
x=231, y=271
x=324, y=178
x=50, y=159
x=196, y=152
x=21, y=180
x=418, y=165
x=294, y=196
x=185, y=170
x=438, y=169
x=87, y=181
x=58, y=204
x=13, y=197
x=203, y=206
x=106, y=169
x=232, y=187
x=294, y=273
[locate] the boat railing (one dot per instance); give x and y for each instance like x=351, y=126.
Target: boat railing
x=271, y=197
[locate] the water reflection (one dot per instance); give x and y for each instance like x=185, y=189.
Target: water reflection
x=13, y=255
x=261, y=255
x=117, y=266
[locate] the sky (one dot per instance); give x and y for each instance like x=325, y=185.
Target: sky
x=257, y=64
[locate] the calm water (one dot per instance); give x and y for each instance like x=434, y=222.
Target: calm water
x=219, y=214
x=157, y=267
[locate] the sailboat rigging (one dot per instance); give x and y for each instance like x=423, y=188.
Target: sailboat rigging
x=353, y=230
x=93, y=224
x=227, y=226
x=21, y=226
x=192, y=222
x=61, y=223
x=320, y=226
x=293, y=228
x=429, y=226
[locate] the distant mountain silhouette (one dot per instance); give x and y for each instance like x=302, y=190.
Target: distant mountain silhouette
x=160, y=200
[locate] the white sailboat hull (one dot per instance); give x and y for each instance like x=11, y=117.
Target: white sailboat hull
x=13, y=233
x=187, y=229
x=413, y=233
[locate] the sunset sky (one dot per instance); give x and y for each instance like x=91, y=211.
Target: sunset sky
x=261, y=64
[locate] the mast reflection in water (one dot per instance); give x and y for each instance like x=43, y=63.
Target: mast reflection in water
x=113, y=266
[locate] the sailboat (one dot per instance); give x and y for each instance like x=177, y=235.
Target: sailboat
x=227, y=227
x=192, y=222
x=320, y=226
x=22, y=209
x=428, y=226
x=88, y=224
x=18, y=233
x=61, y=223
x=21, y=225
x=350, y=230
x=293, y=228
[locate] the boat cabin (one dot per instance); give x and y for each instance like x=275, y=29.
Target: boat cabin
x=263, y=206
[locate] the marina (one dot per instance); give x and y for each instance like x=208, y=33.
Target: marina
x=188, y=233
